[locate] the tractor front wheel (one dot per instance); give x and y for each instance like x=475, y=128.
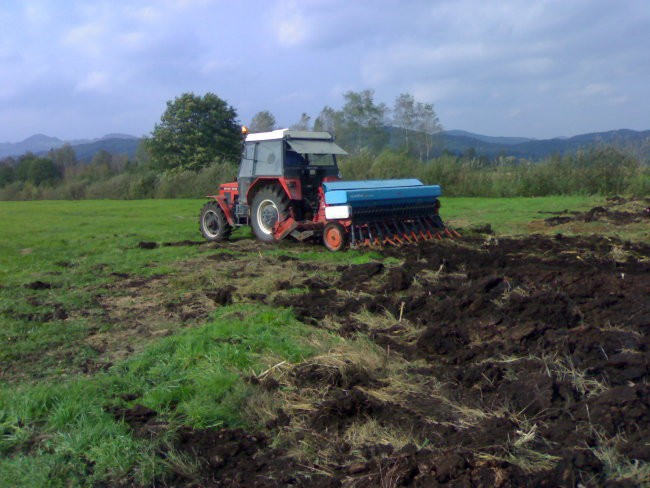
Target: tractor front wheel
x=213, y=223
x=269, y=206
x=334, y=236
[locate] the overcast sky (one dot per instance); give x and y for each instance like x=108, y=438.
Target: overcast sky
x=82, y=69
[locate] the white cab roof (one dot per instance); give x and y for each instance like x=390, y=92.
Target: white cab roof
x=288, y=134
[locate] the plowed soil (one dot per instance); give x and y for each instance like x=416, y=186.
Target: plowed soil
x=506, y=362
x=618, y=211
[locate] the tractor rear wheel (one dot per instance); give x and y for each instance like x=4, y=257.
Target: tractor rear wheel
x=269, y=206
x=213, y=223
x=334, y=236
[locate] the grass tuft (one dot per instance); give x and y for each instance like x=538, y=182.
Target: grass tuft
x=196, y=377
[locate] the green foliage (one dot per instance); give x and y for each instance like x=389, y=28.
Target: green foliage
x=599, y=171
x=359, y=126
x=263, y=121
x=64, y=158
x=36, y=170
x=43, y=170
x=193, y=132
x=328, y=121
x=393, y=164
x=361, y=123
x=357, y=166
x=93, y=182
x=7, y=174
x=190, y=184
x=420, y=126
x=303, y=124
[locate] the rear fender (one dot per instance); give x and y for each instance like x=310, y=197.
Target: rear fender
x=223, y=204
x=291, y=187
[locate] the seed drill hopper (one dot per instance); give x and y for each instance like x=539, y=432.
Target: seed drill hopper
x=289, y=186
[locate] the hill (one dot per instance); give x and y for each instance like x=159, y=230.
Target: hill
x=460, y=141
x=113, y=145
x=84, y=149
x=488, y=139
x=454, y=141
x=36, y=143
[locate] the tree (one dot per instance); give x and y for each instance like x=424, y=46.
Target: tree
x=329, y=120
x=142, y=154
x=419, y=123
x=363, y=121
x=22, y=168
x=404, y=116
x=303, y=123
x=64, y=158
x=36, y=170
x=263, y=121
x=101, y=165
x=193, y=132
x=429, y=128
x=43, y=170
x=7, y=173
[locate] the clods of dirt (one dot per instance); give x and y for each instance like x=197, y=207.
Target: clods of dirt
x=120, y=275
x=283, y=258
x=38, y=285
x=221, y=296
x=234, y=458
x=147, y=245
x=398, y=279
x=183, y=243
x=138, y=414
x=618, y=211
x=315, y=283
x=357, y=274
x=222, y=257
x=537, y=352
x=142, y=420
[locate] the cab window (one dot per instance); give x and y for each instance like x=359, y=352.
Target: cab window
x=268, y=158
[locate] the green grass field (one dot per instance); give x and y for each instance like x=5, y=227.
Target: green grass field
x=67, y=358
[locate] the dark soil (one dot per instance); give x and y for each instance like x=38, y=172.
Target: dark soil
x=545, y=336
x=611, y=213
x=38, y=285
x=183, y=243
x=147, y=245
x=234, y=458
x=221, y=296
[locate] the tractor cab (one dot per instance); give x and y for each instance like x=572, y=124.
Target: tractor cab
x=300, y=160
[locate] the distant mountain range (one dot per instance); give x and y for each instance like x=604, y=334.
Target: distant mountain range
x=458, y=142
x=84, y=149
x=455, y=141
x=489, y=139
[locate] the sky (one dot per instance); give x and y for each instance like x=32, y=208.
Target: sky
x=78, y=69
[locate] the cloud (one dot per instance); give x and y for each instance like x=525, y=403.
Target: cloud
x=597, y=89
x=88, y=38
x=96, y=81
x=291, y=26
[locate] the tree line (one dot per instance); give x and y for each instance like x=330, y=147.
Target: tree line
x=363, y=125
x=196, y=145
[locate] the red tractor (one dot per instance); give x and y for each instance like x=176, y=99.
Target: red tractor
x=289, y=185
